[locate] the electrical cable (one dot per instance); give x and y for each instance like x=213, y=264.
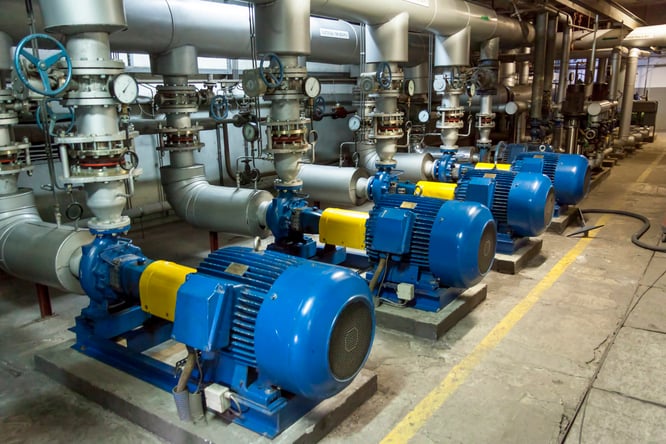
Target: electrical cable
x=635, y=238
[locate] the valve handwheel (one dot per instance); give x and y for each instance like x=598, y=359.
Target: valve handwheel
x=384, y=76
x=266, y=73
x=42, y=65
x=128, y=160
x=52, y=117
x=219, y=108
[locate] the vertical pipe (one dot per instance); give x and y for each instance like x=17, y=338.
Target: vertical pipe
x=628, y=94
x=44, y=300
x=550, y=62
x=539, y=67
x=601, y=70
x=524, y=75
x=564, y=61
x=615, y=73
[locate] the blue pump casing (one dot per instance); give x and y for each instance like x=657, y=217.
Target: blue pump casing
x=431, y=244
x=522, y=203
x=570, y=173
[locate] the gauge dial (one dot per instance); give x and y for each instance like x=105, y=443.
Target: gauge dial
x=354, y=123
x=250, y=132
x=410, y=87
x=124, y=88
x=312, y=87
x=424, y=116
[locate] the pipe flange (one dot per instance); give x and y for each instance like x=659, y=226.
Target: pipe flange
x=73, y=138
x=13, y=148
x=8, y=119
x=80, y=176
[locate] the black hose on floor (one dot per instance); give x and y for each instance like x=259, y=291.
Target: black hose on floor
x=635, y=238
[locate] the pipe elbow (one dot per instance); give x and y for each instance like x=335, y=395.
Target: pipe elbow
x=215, y=208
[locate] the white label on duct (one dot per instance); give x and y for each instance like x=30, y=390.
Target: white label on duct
x=334, y=33
x=419, y=2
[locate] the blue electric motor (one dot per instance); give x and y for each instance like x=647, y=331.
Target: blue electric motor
x=570, y=173
x=272, y=326
x=521, y=203
x=429, y=244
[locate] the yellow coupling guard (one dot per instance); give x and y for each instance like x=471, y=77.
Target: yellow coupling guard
x=158, y=288
x=439, y=190
x=492, y=166
x=343, y=227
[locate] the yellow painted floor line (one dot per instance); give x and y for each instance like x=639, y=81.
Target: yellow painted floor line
x=423, y=411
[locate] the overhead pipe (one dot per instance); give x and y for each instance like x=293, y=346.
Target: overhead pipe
x=442, y=17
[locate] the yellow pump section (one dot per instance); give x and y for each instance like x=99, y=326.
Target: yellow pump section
x=439, y=190
x=158, y=288
x=492, y=166
x=343, y=227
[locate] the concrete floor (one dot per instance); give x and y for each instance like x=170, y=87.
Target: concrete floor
x=577, y=337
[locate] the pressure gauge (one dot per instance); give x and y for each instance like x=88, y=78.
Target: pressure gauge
x=424, y=116
x=250, y=132
x=354, y=123
x=410, y=87
x=312, y=87
x=124, y=88
x=439, y=84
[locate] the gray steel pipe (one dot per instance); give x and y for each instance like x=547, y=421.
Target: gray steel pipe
x=335, y=185
x=539, y=66
x=39, y=251
x=175, y=23
x=616, y=59
x=214, y=208
x=628, y=94
x=564, y=60
x=550, y=60
x=443, y=17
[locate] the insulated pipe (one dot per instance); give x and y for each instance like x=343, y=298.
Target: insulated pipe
x=174, y=23
x=524, y=74
x=564, y=60
x=550, y=62
x=539, y=67
x=35, y=250
x=443, y=17
x=616, y=59
x=335, y=185
x=628, y=94
x=226, y=209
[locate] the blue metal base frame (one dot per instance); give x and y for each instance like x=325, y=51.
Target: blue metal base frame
x=509, y=245
x=93, y=340
x=428, y=295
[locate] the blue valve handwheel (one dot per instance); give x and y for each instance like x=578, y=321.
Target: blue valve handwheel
x=42, y=65
x=53, y=117
x=320, y=102
x=219, y=108
x=384, y=76
x=267, y=76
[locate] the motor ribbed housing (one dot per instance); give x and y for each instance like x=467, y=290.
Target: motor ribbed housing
x=503, y=182
x=425, y=209
x=452, y=240
x=262, y=271
x=306, y=327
